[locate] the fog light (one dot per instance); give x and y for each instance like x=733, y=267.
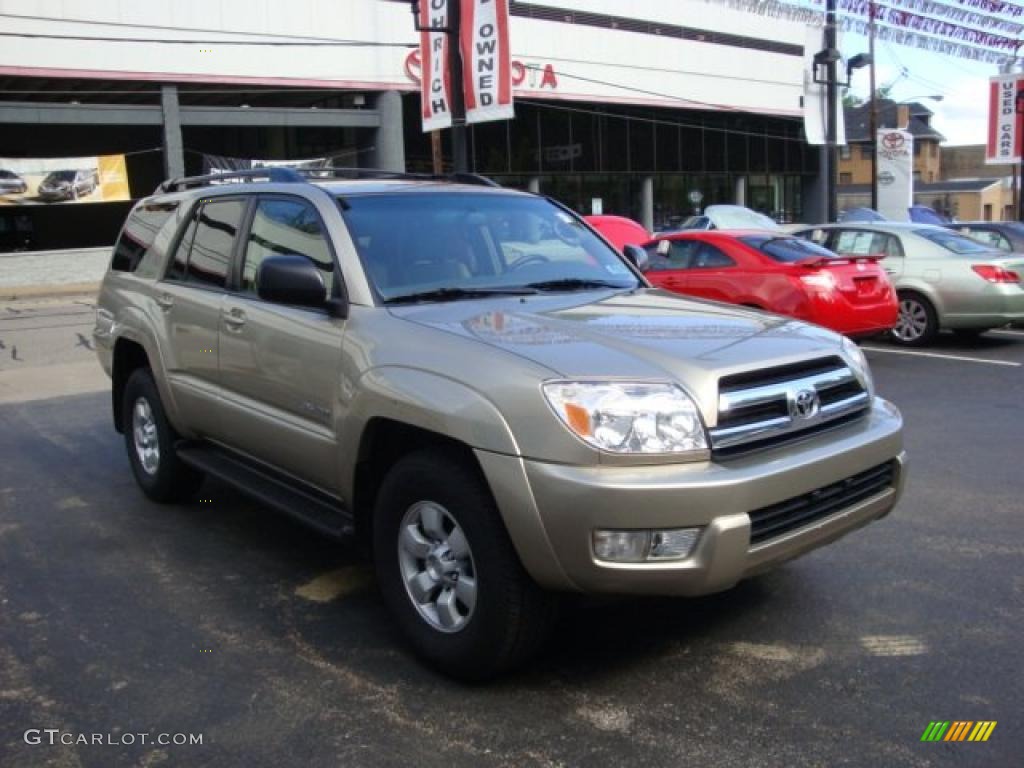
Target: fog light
x=643, y=546
x=622, y=546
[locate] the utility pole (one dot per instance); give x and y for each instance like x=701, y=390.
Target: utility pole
x=460, y=155
x=873, y=121
x=832, y=105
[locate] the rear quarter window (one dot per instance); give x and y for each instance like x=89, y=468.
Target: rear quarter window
x=145, y=223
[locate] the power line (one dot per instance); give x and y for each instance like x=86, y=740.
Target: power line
x=631, y=89
x=169, y=41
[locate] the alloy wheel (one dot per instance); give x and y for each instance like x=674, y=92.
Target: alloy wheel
x=437, y=566
x=912, y=323
x=144, y=430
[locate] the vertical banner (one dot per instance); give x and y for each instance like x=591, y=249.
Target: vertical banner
x=895, y=158
x=487, y=60
x=1005, y=125
x=435, y=78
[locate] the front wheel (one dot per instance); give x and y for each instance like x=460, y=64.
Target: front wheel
x=449, y=573
x=917, y=323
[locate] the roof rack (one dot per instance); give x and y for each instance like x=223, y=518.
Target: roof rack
x=286, y=175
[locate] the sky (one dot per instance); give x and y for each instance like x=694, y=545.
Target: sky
x=962, y=114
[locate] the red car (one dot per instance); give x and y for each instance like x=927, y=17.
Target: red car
x=779, y=273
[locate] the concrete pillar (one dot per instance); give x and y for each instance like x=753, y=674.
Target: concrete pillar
x=174, y=154
x=389, y=138
x=647, y=203
x=533, y=185
x=740, y=193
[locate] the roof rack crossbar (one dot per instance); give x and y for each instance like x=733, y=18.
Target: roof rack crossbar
x=379, y=173
x=288, y=175
x=278, y=175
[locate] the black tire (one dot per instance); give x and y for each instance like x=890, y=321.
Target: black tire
x=169, y=480
x=511, y=616
x=918, y=323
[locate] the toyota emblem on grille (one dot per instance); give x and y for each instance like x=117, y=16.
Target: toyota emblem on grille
x=804, y=404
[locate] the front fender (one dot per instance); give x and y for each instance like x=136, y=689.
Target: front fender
x=427, y=400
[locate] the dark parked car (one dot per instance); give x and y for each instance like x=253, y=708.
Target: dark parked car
x=68, y=185
x=11, y=183
x=1005, y=235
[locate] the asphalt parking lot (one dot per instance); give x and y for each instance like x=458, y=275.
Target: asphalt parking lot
x=220, y=618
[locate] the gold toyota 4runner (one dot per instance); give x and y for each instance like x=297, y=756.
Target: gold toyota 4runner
x=481, y=387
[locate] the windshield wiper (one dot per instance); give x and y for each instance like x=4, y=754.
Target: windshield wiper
x=454, y=294
x=573, y=284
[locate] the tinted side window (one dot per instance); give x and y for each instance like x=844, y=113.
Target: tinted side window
x=286, y=227
x=215, y=237
x=139, y=232
x=179, y=264
x=709, y=257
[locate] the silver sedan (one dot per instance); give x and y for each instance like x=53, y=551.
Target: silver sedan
x=943, y=279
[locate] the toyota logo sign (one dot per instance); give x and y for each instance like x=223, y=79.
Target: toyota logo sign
x=804, y=405
x=893, y=141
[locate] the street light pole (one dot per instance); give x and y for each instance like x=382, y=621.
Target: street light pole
x=832, y=105
x=457, y=101
x=873, y=121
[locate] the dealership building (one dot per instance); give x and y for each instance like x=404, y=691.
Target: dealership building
x=678, y=106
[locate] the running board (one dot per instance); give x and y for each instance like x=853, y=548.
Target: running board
x=306, y=504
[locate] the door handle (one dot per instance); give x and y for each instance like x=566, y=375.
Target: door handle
x=165, y=301
x=234, y=318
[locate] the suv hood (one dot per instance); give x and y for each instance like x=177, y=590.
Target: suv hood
x=643, y=334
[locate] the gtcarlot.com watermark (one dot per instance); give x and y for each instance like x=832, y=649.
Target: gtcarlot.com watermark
x=55, y=737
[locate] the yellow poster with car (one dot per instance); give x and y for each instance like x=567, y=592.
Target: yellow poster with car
x=44, y=181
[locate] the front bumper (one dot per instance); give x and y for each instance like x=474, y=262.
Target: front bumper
x=551, y=510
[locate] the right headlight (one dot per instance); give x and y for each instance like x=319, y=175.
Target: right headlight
x=858, y=363
x=629, y=417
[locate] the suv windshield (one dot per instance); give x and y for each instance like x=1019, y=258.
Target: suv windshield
x=951, y=241
x=61, y=176
x=787, y=250
x=454, y=245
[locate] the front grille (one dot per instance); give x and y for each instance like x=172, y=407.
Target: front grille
x=757, y=409
x=772, y=521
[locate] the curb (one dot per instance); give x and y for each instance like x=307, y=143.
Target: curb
x=11, y=292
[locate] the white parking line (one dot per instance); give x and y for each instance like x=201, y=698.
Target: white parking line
x=944, y=357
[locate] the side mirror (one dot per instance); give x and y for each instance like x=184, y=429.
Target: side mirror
x=664, y=247
x=291, y=279
x=637, y=256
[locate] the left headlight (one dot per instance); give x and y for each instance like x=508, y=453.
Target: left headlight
x=858, y=363
x=629, y=417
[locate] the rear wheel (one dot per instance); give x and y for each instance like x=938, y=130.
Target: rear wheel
x=917, y=323
x=149, y=439
x=449, y=573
